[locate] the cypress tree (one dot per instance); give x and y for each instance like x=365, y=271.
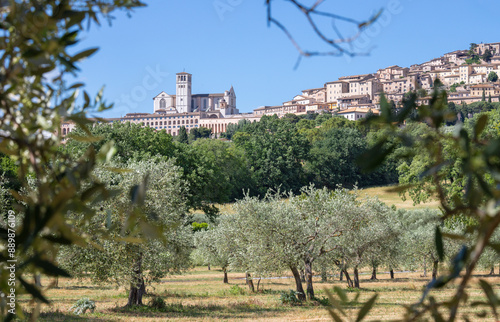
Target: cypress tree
x=182, y=137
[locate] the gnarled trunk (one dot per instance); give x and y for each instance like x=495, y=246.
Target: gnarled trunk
x=224, y=269
x=137, y=286
x=341, y=278
x=348, y=278
x=302, y=276
x=425, y=266
x=208, y=266
x=309, y=279
x=435, y=269
x=298, y=283
x=392, y=273
x=356, y=277
x=249, y=280
x=374, y=273
x=492, y=270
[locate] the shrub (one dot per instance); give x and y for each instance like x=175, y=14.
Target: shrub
x=289, y=297
x=82, y=305
x=157, y=303
x=199, y=226
x=236, y=290
x=324, y=301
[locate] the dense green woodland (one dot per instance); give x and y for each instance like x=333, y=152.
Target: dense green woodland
x=288, y=153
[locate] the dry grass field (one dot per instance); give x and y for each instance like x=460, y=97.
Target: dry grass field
x=200, y=295
x=393, y=198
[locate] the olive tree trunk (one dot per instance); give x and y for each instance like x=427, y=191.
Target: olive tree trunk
x=302, y=276
x=435, y=269
x=356, y=277
x=374, y=273
x=309, y=279
x=249, y=280
x=224, y=269
x=298, y=284
x=348, y=278
x=392, y=273
x=137, y=286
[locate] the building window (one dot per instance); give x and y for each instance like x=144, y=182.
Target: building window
x=163, y=103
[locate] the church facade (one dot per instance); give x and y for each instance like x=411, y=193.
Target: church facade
x=185, y=102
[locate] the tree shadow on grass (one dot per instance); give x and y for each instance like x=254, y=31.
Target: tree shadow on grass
x=229, y=311
x=82, y=287
x=395, y=280
x=67, y=317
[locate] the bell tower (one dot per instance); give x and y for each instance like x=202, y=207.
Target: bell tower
x=183, y=93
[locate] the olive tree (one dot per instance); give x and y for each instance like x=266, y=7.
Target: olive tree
x=36, y=58
x=216, y=245
x=419, y=239
x=143, y=253
x=294, y=231
x=364, y=244
x=473, y=161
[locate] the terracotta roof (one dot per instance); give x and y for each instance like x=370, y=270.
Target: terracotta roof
x=483, y=86
x=313, y=89
x=354, y=97
x=358, y=110
x=337, y=81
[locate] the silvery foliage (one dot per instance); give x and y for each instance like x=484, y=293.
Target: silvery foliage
x=283, y=230
x=372, y=237
x=419, y=236
x=215, y=246
x=83, y=305
x=166, y=250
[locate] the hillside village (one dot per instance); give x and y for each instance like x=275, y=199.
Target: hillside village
x=468, y=75
x=464, y=73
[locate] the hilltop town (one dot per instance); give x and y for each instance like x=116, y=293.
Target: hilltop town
x=468, y=76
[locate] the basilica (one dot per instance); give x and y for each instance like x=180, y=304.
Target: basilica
x=185, y=102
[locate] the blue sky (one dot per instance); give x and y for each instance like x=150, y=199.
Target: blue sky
x=139, y=56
